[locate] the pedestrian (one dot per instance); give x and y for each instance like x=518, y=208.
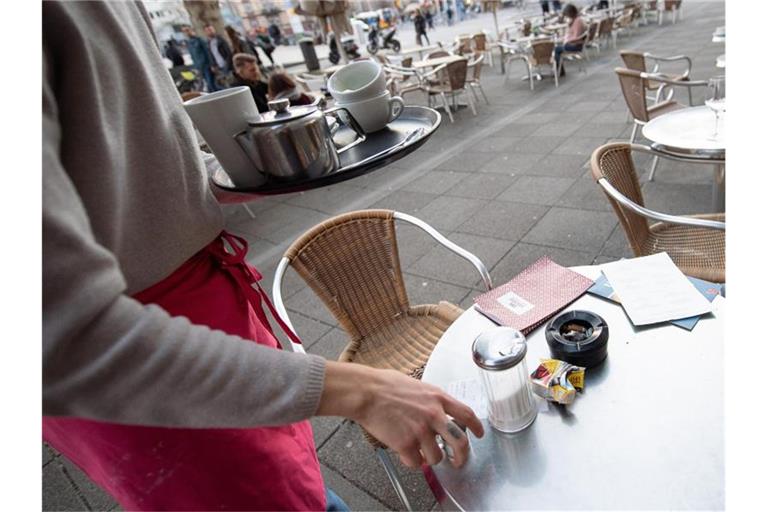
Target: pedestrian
x=201, y=57
x=162, y=379
x=220, y=51
x=240, y=44
x=173, y=53
x=265, y=43
x=281, y=85
x=420, y=25
x=274, y=33
x=430, y=19
x=556, y=5
x=449, y=14
x=544, y=7
x=602, y=4
x=574, y=37
x=247, y=73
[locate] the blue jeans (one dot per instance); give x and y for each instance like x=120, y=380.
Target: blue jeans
x=333, y=503
x=210, y=80
x=568, y=47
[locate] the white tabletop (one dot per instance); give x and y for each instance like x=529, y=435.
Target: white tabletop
x=646, y=433
x=428, y=63
x=688, y=130
x=720, y=61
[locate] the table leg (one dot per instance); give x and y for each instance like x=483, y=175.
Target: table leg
x=718, y=189
x=501, y=58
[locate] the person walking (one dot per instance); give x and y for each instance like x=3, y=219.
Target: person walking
x=240, y=44
x=173, y=53
x=420, y=25
x=449, y=14
x=556, y=5
x=220, y=51
x=161, y=376
x=265, y=43
x=544, y=7
x=275, y=33
x=201, y=58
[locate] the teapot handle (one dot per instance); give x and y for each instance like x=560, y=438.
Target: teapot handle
x=352, y=124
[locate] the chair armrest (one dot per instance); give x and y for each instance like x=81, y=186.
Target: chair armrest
x=478, y=264
x=277, y=299
x=434, y=71
x=651, y=214
x=674, y=58
x=658, y=77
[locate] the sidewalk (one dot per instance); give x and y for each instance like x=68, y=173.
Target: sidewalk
x=510, y=184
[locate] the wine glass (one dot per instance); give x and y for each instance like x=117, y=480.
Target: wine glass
x=716, y=100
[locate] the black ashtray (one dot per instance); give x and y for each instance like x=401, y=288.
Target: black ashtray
x=578, y=337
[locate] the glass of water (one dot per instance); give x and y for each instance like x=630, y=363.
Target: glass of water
x=716, y=100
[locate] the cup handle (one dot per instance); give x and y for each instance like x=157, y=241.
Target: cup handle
x=352, y=122
x=396, y=106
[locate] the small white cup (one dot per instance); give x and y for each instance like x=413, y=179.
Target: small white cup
x=376, y=113
x=219, y=116
x=357, y=81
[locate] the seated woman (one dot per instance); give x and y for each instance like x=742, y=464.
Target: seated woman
x=247, y=73
x=281, y=85
x=574, y=37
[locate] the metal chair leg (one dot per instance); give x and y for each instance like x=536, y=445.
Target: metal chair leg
x=483, y=93
x=654, y=165
x=394, y=478
x=470, y=101
x=473, y=92
x=634, y=133
x=556, y=71
x=446, y=106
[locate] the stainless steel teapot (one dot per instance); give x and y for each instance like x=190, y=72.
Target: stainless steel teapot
x=296, y=143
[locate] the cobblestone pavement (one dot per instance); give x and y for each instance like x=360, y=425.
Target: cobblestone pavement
x=510, y=184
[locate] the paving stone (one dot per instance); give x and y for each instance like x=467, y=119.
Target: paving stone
x=436, y=182
x=47, y=454
x=405, y=201
x=482, y=186
x=497, y=144
x=511, y=163
x=58, y=492
x=447, y=213
x=611, y=117
x=326, y=199
x=425, y=290
x=519, y=129
x=94, y=496
x=350, y=455
x=588, y=106
x=466, y=161
x=523, y=255
x=568, y=228
x=678, y=199
x=307, y=303
x=323, y=427
x=542, y=190
x=308, y=329
x=558, y=166
x=412, y=243
x=285, y=222
x=331, y=344
x=353, y=496
x=541, y=144
x=499, y=219
x=617, y=245
x=539, y=118
x=557, y=129
x=603, y=129
x=582, y=146
x=586, y=194
x=391, y=177
x=444, y=265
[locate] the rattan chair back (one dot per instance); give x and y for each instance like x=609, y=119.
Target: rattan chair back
x=542, y=52
x=457, y=74
x=633, y=60
x=606, y=27
x=437, y=54
x=526, y=28
x=476, y=67
x=480, y=41
x=670, y=4
x=614, y=163
x=633, y=86
x=351, y=262
x=652, y=5
x=407, y=62
x=592, y=32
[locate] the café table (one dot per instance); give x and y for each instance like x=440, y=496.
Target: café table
x=420, y=50
x=718, y=36
x=687, y=135
x=720, y=61
x=437, y=61
x=646, y=432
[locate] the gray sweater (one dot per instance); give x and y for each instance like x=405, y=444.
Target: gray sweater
x=125, y=203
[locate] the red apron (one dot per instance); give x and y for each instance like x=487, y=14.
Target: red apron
x=151, y=468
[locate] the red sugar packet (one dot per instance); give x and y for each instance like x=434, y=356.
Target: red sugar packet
x=533, y=296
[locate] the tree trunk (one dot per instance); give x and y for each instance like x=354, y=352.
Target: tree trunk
x=206, y=12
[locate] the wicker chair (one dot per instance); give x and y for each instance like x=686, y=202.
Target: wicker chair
x=474, y=69
x=591, y=41
x=695, y=243
x=481, y=44
x=634, y=86
x=351, y=262
x=605, y=31
x=542, y=53
x=674, y=8
x=652, y=9
x=452, y=80
x=637, y=61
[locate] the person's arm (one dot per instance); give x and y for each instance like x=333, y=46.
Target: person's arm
x=107, y=357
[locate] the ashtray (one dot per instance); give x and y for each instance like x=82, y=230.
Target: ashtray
x=578, y=337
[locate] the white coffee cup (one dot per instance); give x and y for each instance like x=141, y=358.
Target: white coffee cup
x=219, y=116
x=359, y=80
x=376, y=113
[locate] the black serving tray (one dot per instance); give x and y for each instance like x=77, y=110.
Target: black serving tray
x=401, y=137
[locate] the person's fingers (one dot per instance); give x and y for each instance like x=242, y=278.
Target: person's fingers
x=456, y=441
x=463, y=415
x=432, y=452
x=411, y=456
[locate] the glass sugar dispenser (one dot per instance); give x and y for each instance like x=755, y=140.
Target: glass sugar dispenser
x=499, y=354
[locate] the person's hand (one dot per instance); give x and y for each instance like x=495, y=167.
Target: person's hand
x=401, y=412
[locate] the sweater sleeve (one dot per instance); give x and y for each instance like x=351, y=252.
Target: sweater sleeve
x=107, y=357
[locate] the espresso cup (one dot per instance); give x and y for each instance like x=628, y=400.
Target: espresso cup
x=219, y=116
x=357, y=81
x=375, y=113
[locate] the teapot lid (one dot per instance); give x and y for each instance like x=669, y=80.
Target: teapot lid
x=281, y=113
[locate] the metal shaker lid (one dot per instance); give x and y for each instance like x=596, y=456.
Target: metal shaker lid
x=281, y=112
x=499, y=348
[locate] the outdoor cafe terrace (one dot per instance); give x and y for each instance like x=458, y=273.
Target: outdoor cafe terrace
x=510, y=184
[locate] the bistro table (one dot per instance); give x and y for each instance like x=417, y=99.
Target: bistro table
x=437, y=61
x=686, y=134
x=420, y=50
x=718, y=36
x=646, y=432
x=720, y=61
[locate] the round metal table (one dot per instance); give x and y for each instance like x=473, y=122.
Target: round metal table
x=646, y=433
x=720, y=61
x=686, y=134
